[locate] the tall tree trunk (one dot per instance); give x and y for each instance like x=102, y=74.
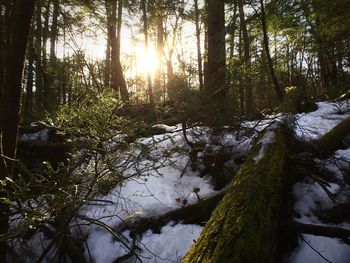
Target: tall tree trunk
x=28, y=100
x=117, y=78
x=145, y=31
x=10, y=107
x=241, y=86
x=107, y=72
x=199, y=52
x=114, y=47
x=46, y=100
x=216, y=75
x=54, y=30
x=171, y=81
x=38, y=59
x=273, y=76
x=160, y=49
x=247, y=61
x=233, y=31
x=121, y=80
x=205, y=60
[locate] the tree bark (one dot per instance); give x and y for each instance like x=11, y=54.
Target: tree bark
x=121, y=80
x=273, y=76
x=114, y=21
x=216, y=73
x=319, y=230
x=38, y=59
x=247, y=61
x=145, y=31
x=334, y=139
x=244, y=227
x=28, y=101
x=54, y=30
x=199, y=52
x=107, y=70
x=160, y=49
x=10, y=107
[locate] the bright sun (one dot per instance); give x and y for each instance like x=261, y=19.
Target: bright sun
x=146, y=62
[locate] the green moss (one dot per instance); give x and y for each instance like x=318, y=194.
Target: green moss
x=244, y=226
x=291, y=100
x=333, y=139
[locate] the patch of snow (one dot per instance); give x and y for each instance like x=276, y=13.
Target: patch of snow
x=102, y=247
x=170, y=245
x=309, y=196
x=313, y=125
x=267, y=139
x=332, y=249
x=166, y=127
x=42, y=136
x=178, y=240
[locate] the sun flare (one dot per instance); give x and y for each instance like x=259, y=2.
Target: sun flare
x=146, y=60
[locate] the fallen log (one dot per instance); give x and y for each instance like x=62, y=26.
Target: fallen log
x=197, y=213
x=334, y=139
x=244, y=227
x=319, y=230
x=295, y=101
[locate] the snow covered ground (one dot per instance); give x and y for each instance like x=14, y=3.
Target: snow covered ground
x=172, y=185
x=310, y=198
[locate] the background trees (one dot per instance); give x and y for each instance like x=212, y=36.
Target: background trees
x=145, y=50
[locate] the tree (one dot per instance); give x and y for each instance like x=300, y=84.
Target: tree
x=273, y=76
x=247, y=60
x=145, y=32
x=114, y=23
x=216, y=67
x=199, y=52
x=10, y=107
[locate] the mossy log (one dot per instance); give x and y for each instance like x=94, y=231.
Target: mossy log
x=295, y=101
x=334, y=139
x=244, y=227
x=197, y=213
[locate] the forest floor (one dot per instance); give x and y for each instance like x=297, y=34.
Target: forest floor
x=168, y=179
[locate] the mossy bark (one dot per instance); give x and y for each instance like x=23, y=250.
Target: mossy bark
x=333, y=140
x=291, y=100
x=244, y=225
x=191, y=214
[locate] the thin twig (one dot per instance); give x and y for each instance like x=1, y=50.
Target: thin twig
x=315, y=250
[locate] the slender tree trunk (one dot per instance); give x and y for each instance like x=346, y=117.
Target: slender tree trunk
x=160, y=49
x=38, y=59
x=171, y=82
x=199, y=52
x=273, y=76
x=206, y=37
x=233, y=31
x=241, y=86
x=114, y=23
x=247, y=61
x=107, y=72
x=46, y=80
x=216, y=79
x=28, y=101
x=145, y=31
x=54, y=30
x=120, y=77
x=45, y=32
x=114, y=47
x=10, y=107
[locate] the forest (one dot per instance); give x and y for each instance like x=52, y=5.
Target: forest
x=175, y=131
